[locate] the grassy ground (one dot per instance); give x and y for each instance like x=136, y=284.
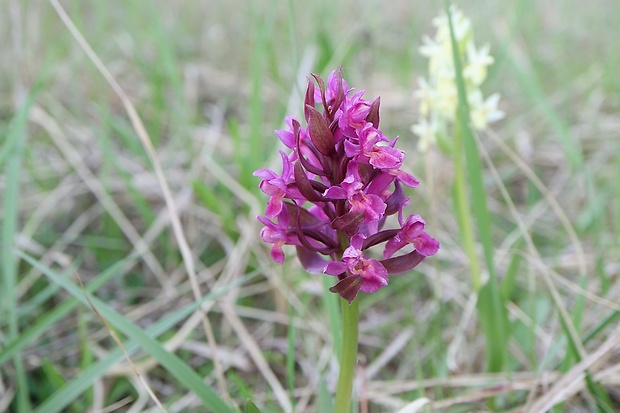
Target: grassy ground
x=152, y=232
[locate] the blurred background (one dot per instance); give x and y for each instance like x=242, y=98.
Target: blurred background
x=211, y=81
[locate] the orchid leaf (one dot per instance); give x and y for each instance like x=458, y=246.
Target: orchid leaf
x=349, y=222
x=305, y=186
x=319, y=132
x=379, y=237
x=373, y=116
x=348, y=287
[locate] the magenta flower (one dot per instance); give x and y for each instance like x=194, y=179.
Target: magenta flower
x=354, y=114
x=337, y=186
x=276, y=186
x=412, y=232
x=369, y=150
x=352, y=189
x=287, y=136
x=278, y=234
x=367, y=274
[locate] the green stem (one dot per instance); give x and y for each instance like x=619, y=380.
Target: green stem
x=348, y=356
x=462, y=210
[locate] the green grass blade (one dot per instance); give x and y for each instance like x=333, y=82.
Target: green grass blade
x=16, y=141
x=510, y=278
x=490, y=320
x=530, y=85
x=607, y=321
x=475, y=177
x=462, y=212
x=251, y=407
x=45, y=322
x=596, y=390
x=212, y=196
x=86, y=358
x=495, y=321
x=171, y=362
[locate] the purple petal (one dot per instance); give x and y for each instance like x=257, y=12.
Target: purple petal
x=335, y=192
x=335, y=84
x=274, y=206
x=373, y=207
x=402, y=264
x=286, y=137
x=286, y=166
x=265, y=174
x=319, y=214
x=384, y=157
x=375, y=277
x=378, y=238
x=358, y=241
x=264, y=221
x=426, y=245
x=270, y=233
x=412, y=228
x=392, y=246
x=379, y=183
x=311, y=261
x=370, y=136
x=351, y=256
x=309, y=99
x=405, y=178
x=354, y=113
x=319, y=95
x=276, y=252
x=335, y=268
x=395, y=201
x=351, y=149
x=274, y=187
x=372, y=227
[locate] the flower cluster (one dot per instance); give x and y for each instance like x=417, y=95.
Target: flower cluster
x=438, y=95
x=339, y=183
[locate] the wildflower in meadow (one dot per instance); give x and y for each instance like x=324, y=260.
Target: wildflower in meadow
x=438, y=95
x=339, y=184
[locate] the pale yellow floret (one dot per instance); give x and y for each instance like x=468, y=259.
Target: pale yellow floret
x=483, y=112
x=475, y=71
x=462, y=26
x=425, y=95
x=446, y=97
x=438, y=96
x=427, y=131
